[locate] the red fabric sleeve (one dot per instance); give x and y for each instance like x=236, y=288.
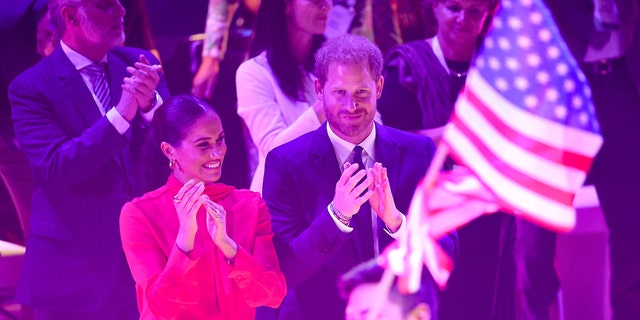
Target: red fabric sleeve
x=257, y=273
x=165, y=285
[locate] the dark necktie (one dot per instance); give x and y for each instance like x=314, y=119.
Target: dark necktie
x=98, y=78
x=362, y=220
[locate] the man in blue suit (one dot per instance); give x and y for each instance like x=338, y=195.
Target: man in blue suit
x=82, y=125
x=328, y=214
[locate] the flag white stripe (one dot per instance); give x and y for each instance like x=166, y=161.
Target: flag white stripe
x=519, y=197
x=549, y=132
x=550, y=172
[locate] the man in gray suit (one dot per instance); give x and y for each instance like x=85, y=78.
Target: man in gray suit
x=80, y=116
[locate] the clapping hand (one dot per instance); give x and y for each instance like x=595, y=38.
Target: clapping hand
x=347, y=198
x=216, y=221
x=217, y=227
x=187, y=202
x=142, y=83
x=381, y=200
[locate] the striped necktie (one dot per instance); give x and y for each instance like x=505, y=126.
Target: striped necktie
x=98, y=77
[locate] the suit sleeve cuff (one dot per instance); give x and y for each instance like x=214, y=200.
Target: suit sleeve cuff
x=118, y=121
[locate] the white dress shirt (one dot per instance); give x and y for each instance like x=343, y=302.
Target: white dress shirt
x=115, y=118
x=344, y=154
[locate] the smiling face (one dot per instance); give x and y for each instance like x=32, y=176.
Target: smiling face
x=349, y=97
x=308, y=16
x=201, y=152
x=460, y=20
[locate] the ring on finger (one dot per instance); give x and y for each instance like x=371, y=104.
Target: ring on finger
x=176, y=199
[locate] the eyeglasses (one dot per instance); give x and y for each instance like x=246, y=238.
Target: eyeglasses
x=322, y=4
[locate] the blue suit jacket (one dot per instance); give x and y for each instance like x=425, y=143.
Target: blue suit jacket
x=84, y=171
x=299, y=183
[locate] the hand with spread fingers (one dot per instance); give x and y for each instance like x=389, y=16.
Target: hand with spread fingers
x=187, y=203
x=381, y=199
x=217, y=227
x=348, y=197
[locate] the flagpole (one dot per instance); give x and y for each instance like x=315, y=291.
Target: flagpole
x=435, y=167
x=429, y=182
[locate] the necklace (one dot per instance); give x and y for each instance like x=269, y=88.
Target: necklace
x=449, y=65
x=456, y=67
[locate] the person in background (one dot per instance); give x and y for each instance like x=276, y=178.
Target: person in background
x=137, y=26
x=217, y=34
x=604, y=38
x=81, y=124
x=46, y=36
x=276, y=98
x=338, y=194
x=424, y=77
x=367, y=300
x=225, y=45
x=198, y=249
x=422, y=81
x=18, y=30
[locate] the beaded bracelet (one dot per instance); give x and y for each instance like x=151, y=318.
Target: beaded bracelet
x=341, y=217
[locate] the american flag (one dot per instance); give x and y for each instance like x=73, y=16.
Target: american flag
x=525, y=124
x=524, y=130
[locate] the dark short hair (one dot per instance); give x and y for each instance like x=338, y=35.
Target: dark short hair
x=170, y=124
x=348, y=49
x=370, y=272
x=176, y=116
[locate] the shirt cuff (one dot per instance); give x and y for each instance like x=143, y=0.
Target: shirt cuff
x=341, y=226
x=148, y=116
x=400, y=231
x=118, y=121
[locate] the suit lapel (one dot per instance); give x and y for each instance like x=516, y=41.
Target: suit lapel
x=324, y=160
x=74, y=87
x=388, y=154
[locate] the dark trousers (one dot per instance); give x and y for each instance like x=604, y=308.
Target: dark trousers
x=537, y=280
x=482, y=284
x=616, y=176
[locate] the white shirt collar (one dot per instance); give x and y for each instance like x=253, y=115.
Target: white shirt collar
x=344, y=148
x=78, y=60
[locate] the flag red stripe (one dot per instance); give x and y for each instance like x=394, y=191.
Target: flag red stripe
x=553, y=154
x=525, y=180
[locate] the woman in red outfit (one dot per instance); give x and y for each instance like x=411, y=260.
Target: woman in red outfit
x=199, y=249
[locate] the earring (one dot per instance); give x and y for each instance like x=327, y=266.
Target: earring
x=172, y=163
